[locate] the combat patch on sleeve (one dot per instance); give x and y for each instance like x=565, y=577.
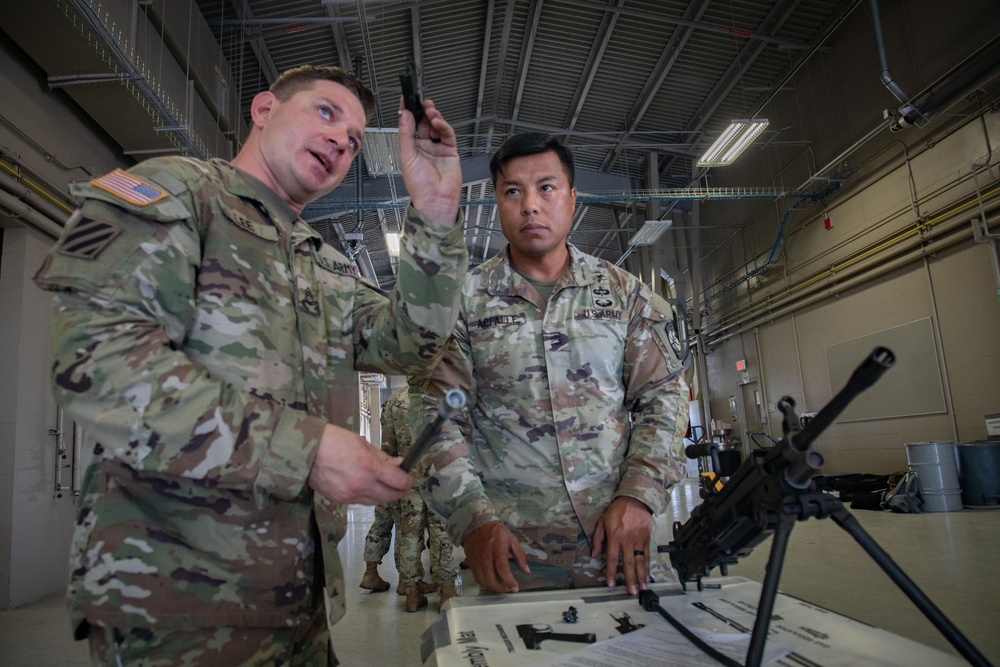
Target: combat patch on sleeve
x=130, y=188
x=87, y=238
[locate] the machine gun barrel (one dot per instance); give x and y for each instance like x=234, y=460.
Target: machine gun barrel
x=871, y=369
x=730, y=523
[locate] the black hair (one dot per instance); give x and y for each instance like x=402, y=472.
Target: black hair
x=530, y=143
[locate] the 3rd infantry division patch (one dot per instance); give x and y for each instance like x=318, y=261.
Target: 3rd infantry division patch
x=88, y=238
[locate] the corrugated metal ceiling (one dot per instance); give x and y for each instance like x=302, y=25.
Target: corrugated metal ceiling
x=615, y=79
x=637, y=88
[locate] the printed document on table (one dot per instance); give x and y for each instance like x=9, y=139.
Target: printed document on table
x=662, y=646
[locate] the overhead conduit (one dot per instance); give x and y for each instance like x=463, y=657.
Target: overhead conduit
x=980, y=66
x=150, y=73
x=30, y=202
x=920, y=240
x=977, y=66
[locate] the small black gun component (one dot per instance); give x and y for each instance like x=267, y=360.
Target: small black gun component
x=411, y=93
x=534, y=634
x=625, y=624
x=571, y=615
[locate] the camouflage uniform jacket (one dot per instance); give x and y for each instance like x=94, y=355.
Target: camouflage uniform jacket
x=571, y=405
x=204, y=335
x=396, y=438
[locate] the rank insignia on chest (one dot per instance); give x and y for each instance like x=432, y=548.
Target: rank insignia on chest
x=307, y=302
x=130, y=188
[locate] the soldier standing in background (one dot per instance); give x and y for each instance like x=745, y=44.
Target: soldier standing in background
x=377, y=542
x=379, y=537
x=577, y=401
x=415, y=519
x=209, y=342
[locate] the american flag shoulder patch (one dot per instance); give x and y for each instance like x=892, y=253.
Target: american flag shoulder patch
x=88, y=238
x=130, y=188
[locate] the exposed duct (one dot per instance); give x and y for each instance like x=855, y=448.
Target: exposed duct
x=976, y=69
x=151, y=74
x=922, y=239
x=883, y=58
x=31, y=197
x=18, y=210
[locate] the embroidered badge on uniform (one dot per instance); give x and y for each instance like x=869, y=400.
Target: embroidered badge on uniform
x=88, y=238
x=674, y=340
x=130, y=188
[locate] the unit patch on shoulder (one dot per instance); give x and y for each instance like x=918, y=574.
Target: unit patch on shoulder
x=130, y=188
x=88, y=238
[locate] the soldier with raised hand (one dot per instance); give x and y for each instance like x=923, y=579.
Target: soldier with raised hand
x=208, y=341
x=577, y=401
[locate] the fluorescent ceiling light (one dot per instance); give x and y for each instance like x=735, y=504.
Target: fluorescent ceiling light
x=651, y=231
x=392, y=242
x=382, y=151
x=733, y=141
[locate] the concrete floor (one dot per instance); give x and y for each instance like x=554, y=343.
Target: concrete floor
x=952, y=556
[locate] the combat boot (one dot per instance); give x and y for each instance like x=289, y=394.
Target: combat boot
x=424, y=586
x=415, y=600
x=446, y=592
x=372, y=581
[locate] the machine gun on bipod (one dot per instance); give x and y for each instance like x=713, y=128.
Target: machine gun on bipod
x=765, y=496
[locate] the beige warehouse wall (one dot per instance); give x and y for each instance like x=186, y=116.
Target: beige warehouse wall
x=35, y=525
x=40, y=130
x=898, y=190
x=955, y=287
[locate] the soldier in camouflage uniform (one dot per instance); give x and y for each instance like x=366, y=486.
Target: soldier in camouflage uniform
x=208, y=341
x=379, y=537
x=578, y=405
x=415, y=519
x=377, y=543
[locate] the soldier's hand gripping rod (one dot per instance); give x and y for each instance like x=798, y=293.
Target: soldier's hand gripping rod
x=453, y=401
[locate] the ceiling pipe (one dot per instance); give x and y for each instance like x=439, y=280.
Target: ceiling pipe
x=987, y=66
x=909, y=114
x=853, y=272
x=836, y=289
x=883, y=59
x=21, y=211
x=34, y=199
x=365, y=266
x=986, y=63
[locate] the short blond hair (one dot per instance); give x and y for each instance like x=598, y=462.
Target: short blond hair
x=302, y=78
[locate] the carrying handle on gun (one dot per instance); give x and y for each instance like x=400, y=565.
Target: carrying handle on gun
x=453, y=401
